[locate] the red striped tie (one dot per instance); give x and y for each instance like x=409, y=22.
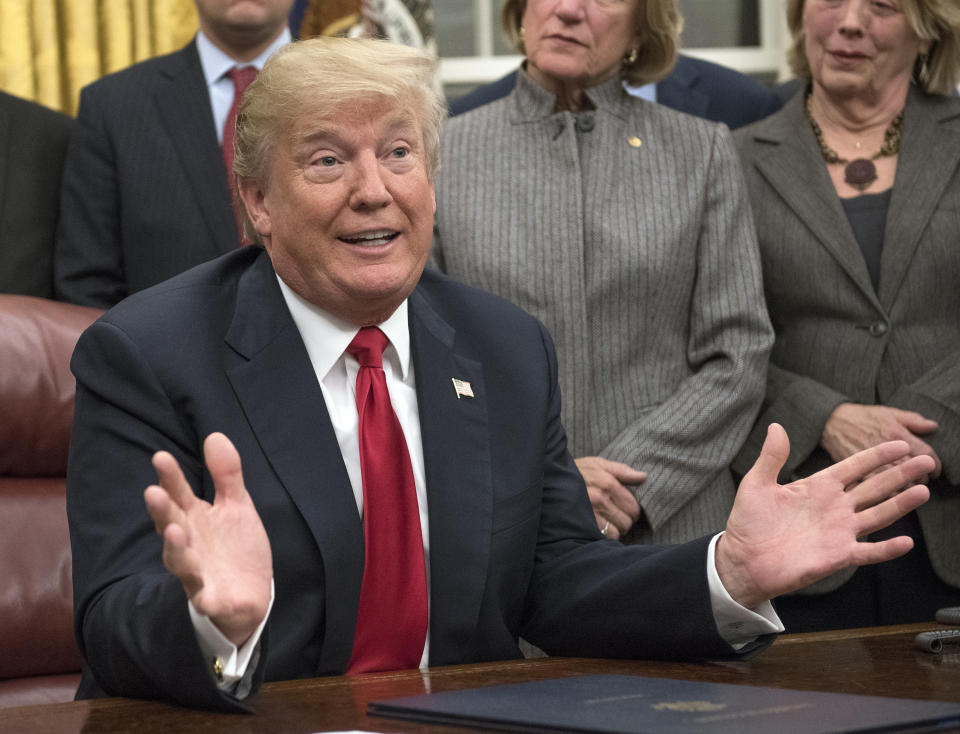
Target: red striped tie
x=392, y=618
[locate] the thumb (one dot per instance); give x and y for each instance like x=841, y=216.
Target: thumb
x=223, y=462
x=773, y=455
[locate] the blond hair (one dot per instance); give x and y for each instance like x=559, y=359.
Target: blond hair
x=659, y=28
x=934, y=21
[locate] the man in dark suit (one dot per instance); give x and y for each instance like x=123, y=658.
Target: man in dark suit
x=696, y=87
x=145, y=192
x=33, y=142
x=264, y=571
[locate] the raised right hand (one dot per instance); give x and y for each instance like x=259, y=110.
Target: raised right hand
x=220, y=551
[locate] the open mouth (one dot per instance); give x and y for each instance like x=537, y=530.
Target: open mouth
x=371, y=239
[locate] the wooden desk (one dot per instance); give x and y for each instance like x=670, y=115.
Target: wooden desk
x=876, y=661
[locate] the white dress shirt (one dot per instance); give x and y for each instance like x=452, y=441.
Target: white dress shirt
x=216, y=64
x=326, y=339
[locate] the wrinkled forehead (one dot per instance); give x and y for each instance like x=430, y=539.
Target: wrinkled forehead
x=373, y=114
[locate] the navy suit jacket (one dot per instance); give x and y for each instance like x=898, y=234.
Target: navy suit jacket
x=33, y=142
x=514, y=547
x=145, y=192
x=694, y=86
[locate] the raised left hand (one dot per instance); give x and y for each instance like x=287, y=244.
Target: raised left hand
x=780, y=538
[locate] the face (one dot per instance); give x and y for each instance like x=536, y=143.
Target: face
x=859, y=47
x=579, y=42
x=346, y=211
x=228, y=19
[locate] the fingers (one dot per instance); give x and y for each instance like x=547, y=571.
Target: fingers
x=881, y=551
x=617, y=507
x=181, y=560
x=223, y=463
x=163, y=510
x=887, y=512
x=623, y=473
x=915, y=422
x=855, y=467
x=614, y=504
x=171, y=522
x=919, y=447
x=170, y=477
x=773, y=455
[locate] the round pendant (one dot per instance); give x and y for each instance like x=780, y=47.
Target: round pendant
x=860, y=173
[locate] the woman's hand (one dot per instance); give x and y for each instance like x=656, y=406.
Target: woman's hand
x=853, y=427
x=608, y=484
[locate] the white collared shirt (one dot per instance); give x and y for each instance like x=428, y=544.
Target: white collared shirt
x=645, y=91
x=216, y=64
x=326, y=339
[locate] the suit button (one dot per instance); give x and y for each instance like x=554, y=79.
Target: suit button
x=585, y=122
x=878, y=328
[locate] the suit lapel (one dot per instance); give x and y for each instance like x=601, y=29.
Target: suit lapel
x=923, y=173
x=277, y=387
x=678, y=90
x=183, y=106
x=791, y=163
x=456, y=452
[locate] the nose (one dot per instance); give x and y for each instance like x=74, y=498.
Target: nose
x=570, y=10
x=852, y=17
x=368, y=189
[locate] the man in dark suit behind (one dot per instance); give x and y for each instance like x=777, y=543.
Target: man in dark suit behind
x=696, y=87
x=145, y=192
x=261, y=572
x=33, y=142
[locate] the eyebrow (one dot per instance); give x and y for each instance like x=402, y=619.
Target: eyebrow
x=325, y=129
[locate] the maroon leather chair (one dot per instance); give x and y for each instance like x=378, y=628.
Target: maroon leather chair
x=39, y=660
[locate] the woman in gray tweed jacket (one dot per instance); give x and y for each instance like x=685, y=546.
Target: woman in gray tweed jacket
x=623, y=225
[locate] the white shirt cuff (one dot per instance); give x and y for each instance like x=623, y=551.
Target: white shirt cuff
x=229, y=663
x=736, y=624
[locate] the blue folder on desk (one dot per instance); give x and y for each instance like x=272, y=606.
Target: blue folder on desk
x=626, y=704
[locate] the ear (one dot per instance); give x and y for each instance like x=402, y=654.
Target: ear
x=253, y=196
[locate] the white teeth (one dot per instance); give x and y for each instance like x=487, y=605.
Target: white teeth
x=370, y=238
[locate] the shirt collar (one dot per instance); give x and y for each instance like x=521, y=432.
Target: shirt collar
x=216, y=63
x=327, y=337
x=532, y=102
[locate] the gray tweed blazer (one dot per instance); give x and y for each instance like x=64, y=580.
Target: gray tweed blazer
x=626, y=230
x=837, y=338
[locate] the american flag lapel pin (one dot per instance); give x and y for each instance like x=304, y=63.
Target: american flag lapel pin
x=462, y=388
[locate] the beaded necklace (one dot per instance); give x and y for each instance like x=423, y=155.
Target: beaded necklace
x=860, y=172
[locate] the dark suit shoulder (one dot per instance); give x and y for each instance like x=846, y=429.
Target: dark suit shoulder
x=729, y=96
x=38, y=137
x=27, y=112
x=143, y=75
x=461, y=303
x=484, y=94
x=191, y=296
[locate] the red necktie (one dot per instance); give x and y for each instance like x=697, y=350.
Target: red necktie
x=241, y=80
x=392, y=618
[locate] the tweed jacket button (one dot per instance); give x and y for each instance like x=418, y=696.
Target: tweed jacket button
x=878, y=328
x=585, y=122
